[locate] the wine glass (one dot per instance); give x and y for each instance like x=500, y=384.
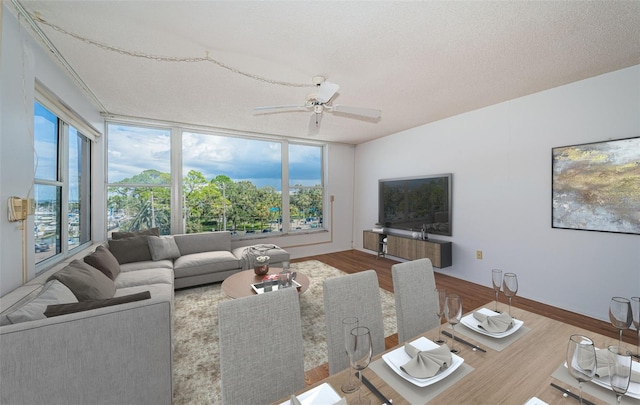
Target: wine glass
x=348, y=324
x=496, y=278
x=453, y=313
x=635, y=307
x=620, y=315
x=620, y=363
x=581, y=359
x=510, y=287
x=442, y=295
x=359, y=356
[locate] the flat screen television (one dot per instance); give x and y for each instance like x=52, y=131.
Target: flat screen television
x=409, y=203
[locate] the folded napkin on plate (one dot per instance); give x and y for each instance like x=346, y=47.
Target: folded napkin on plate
x=602, y=364
x=426, y=363
x=295, y=401
x=494, y=323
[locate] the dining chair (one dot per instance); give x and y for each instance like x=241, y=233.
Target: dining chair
x=261, y=347
x=356, y=295
x=416, y=299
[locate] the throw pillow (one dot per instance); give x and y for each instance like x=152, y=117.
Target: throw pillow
x=163, y=247
x=62, y=309
x=146, y=232
x=53, y=292
x=103, y=260
x=130, y=250
x=86, y=282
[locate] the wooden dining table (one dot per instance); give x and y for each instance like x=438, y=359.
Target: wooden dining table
x=510, y=372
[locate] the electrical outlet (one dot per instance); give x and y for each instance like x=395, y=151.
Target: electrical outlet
x=479, y=254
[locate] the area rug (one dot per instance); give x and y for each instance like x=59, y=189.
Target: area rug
x=196, y=377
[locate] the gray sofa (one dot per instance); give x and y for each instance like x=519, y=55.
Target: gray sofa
x=56, y=350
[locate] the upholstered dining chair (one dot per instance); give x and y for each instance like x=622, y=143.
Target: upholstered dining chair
x=356, y=295
x=261, y=347
x=416, y=299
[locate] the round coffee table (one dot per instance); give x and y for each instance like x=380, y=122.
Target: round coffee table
x=239, y=284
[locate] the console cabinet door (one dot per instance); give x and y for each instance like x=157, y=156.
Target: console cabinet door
x=401, y=247
x=371, y=241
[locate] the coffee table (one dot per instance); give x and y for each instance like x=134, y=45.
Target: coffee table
x=239, y=284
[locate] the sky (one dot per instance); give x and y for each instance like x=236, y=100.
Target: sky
x=134, y=149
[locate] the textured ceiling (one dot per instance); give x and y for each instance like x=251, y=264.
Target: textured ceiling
x=416, y=61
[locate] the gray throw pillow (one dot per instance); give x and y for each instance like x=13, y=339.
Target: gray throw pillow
x=103, y=260
x=130, y=250
x=146, y=232
x=62, y=309
x=53, y=292
x=86, y=282
x=163, y=247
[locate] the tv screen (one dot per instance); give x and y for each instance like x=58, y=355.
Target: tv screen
x=410, y=203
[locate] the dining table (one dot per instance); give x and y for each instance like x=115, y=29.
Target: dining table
x=517, y=369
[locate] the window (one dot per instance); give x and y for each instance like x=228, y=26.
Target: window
x=233, y=183
x=139, y=179
x=61, y=185
x=306, y=192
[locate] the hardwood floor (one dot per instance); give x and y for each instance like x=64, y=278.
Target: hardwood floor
x=474, y=295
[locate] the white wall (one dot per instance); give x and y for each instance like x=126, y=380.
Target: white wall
x=22, y=61
x=500, y=157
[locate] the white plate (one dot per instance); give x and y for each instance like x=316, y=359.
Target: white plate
x=634, y=388
x=398, y=357
x=472, y=323
x=322, y=394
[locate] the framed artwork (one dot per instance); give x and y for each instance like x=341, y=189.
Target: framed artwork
x=596, y=186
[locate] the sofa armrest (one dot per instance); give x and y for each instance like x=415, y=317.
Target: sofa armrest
x=112, y=355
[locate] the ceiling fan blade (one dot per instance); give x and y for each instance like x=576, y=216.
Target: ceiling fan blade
x=363, y=111
x=326, y=91
x=314, y=123
x=279, y=108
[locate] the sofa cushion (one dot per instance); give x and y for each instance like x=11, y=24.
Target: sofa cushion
x=202, y=263
x=103, y=260
x=62, y=309
x=146, y=232
x=53, y=292
x=149, y=264
x=203, y=242
x=163, y=247
x=127, y=250
x=144, y=277
x=86, y=282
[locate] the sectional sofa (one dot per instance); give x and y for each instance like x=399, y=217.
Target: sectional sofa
x=97, y=329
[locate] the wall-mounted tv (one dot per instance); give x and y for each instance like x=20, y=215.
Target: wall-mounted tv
x=409, y=203
x=596, y=186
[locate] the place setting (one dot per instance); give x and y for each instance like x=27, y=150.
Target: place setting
x=422, y=369
x=611, y=370
x=491, y=327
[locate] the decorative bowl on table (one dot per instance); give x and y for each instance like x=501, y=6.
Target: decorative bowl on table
x=261, y=266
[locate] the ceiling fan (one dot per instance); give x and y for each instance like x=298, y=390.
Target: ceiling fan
x=318, y=103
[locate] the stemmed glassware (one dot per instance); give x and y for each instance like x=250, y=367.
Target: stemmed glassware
x=620, y=363
x=620, y=315
x=360, y=351
x=510, y=287
x=581, y=359
x=496, y=278
x=453, y=313
x=442, y=295
x=348, y=324
x=635, y=308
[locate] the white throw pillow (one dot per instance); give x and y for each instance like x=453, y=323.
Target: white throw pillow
x=163, y=247
x=53, y=292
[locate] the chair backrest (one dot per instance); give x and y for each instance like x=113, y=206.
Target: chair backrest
x=416, y=300
x=261, y=347
x=356, y=295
